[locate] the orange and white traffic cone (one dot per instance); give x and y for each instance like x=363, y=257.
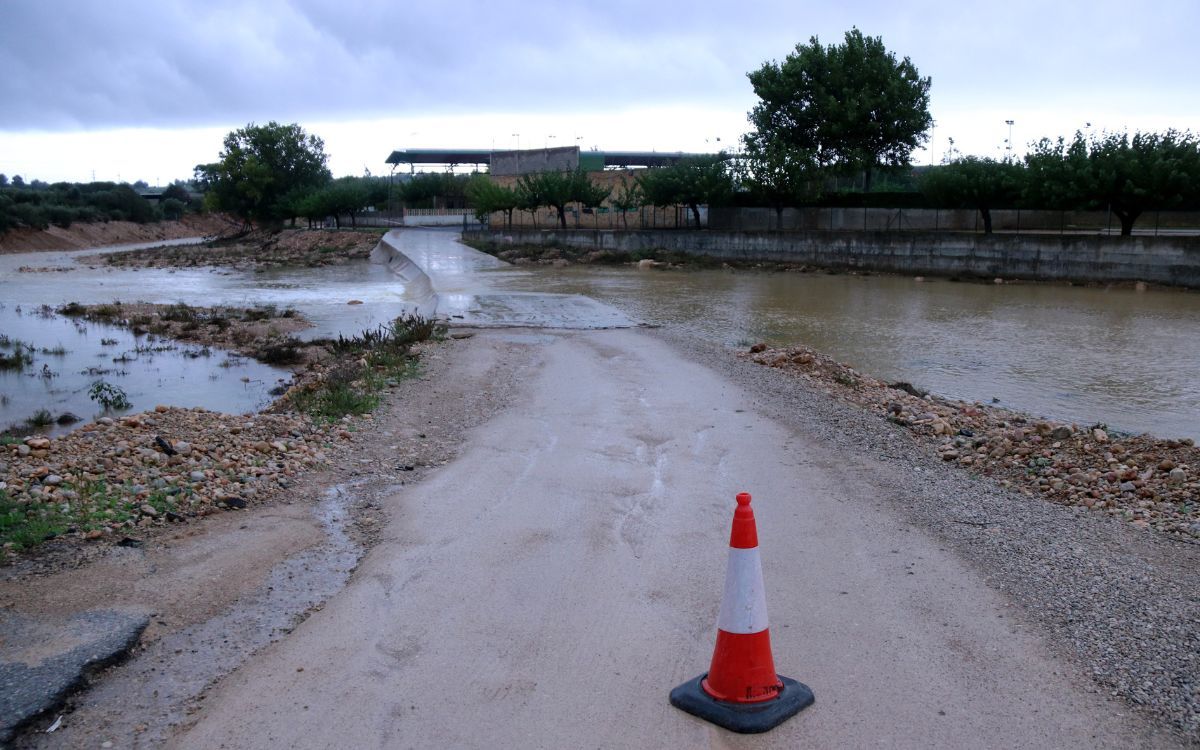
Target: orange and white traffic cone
x=741, y=690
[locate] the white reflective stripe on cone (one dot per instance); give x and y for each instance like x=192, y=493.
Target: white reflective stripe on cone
x=744, y=603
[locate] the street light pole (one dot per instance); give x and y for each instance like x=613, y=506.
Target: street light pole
x=518, y=137
x=1010, y=143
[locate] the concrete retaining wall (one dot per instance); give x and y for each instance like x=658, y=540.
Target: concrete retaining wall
x=1161, y=260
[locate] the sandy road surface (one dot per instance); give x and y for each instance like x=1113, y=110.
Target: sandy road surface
x=553, y=583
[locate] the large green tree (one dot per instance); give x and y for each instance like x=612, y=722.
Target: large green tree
x=259, y=165
x=1128, y=175
x=853, y=105
x=974, y=182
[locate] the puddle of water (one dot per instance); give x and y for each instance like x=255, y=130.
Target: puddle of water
x=68, y=356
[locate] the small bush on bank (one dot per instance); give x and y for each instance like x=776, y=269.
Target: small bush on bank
x=366, y=364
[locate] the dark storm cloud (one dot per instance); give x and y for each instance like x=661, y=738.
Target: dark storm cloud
x=103, y=64
x=85, y=64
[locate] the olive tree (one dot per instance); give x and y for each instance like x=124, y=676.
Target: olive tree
x=693, y=182
x=487, y=197
x=974, y=182
x=1128, y=175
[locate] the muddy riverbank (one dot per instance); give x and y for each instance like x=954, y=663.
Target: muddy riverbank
x=87, y=235
x=300, y=248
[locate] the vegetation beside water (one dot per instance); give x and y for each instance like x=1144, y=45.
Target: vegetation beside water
x=364, y=366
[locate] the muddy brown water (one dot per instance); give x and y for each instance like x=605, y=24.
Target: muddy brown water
x=1113, y=355
x=1117, y=356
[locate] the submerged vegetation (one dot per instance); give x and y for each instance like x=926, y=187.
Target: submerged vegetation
x=63, y=494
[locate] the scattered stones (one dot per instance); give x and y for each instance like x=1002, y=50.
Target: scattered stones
x=1139, y=478
x=120, y=476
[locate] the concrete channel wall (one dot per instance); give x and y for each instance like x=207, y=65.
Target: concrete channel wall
x=1161, y=260
x=418, y=287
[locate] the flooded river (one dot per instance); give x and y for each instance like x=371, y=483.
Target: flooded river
x=1125, y=358
x=1129, y=359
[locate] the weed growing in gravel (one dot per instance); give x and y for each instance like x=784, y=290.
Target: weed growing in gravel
x=180, y=313
x=26, y=524
x=367, y=364
x=99, y=504
x=281, y=352
x=260, y=312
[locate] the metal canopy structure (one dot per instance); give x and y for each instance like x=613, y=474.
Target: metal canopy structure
x=441, y=156
x=591, y=160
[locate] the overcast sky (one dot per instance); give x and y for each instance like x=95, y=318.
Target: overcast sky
x=145, y=90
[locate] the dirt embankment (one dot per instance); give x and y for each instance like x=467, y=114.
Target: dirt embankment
x=100, y=234
x=290, y=247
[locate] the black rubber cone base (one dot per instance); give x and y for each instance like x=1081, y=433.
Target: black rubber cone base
x=745, y=718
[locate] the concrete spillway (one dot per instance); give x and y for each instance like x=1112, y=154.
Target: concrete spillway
x=444, y=278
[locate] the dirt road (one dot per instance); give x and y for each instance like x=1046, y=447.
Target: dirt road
x=549, y=586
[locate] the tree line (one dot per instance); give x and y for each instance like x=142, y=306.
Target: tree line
x=828, y=112
x=855, y=107
x=825, y=114
x=270, y=174
x=39, y=205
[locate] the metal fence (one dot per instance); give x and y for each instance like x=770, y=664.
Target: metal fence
x=647, y=217
x=1006, y=221
x=812, y=219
